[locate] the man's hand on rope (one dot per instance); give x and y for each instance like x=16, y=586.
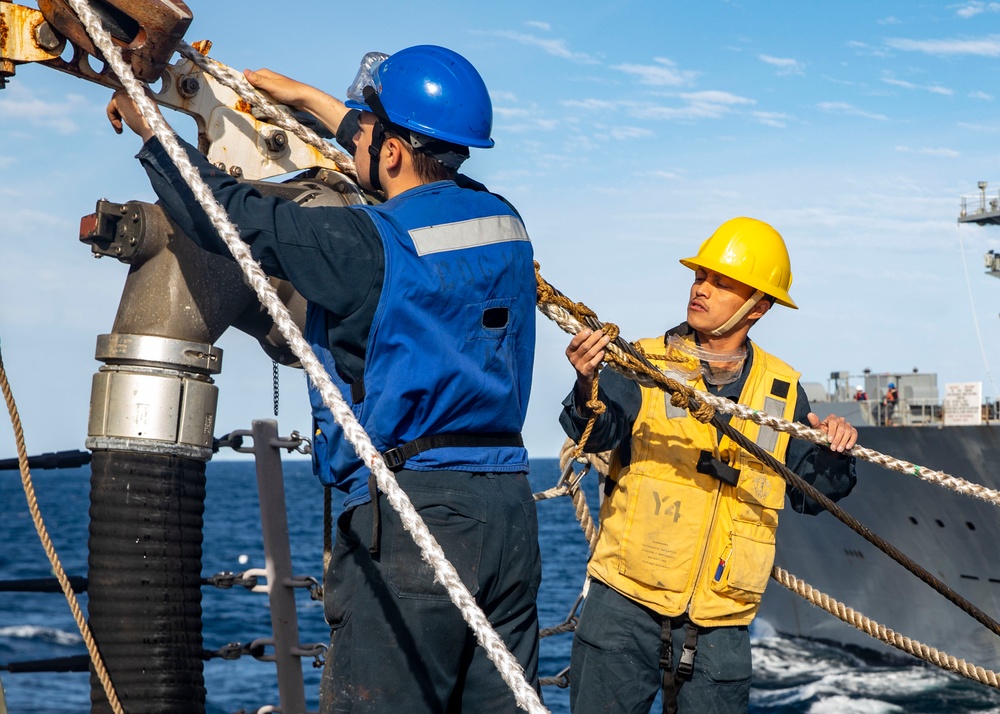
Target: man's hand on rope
x=121, y=109
x=585, y=353
x=841, y=434
x=298, y=95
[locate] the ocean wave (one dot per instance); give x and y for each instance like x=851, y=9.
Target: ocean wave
x=48, y=635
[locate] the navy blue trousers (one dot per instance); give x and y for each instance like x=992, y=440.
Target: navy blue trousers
x=615, y=665
x=397, y=642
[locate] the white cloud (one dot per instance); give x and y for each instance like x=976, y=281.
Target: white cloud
x=503, y=96
x=889, y=21
x=709, y=104
x=984, y=47
x=934, y=89
x=623, y=133
x=511, y=112
x=716, y=97
x=784, y=65
x=981, y=95
x=971, y=9
x=538, y=25
x=18, y=106
x=556, y=48
x=979, y=127
x=663, y=73
x=947, y=153
x=519, y=120
x=775, y=119
x=589, y=104
x=849, y=110
x=866, y=50
x=667, y=175
x=845, y=82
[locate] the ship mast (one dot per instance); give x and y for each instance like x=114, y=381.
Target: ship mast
x=983, y=208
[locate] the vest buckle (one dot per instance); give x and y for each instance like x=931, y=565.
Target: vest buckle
x=394, y=458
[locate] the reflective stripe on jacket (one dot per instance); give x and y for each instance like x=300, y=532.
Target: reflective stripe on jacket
x=451, y=345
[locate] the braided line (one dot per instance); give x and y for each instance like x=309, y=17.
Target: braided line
x=43, y=534
x=884, y=634
x=682, y=396
x=511, y=671
x=235, y=81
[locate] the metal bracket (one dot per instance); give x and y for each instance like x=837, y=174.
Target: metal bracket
x=115, y=230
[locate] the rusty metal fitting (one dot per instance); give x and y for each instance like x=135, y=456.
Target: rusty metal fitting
x=148, y=31
x=188, y=86
x=276, y=141
x=47, y=38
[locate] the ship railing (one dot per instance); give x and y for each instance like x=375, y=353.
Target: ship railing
x=919, y=411
x=982, y=202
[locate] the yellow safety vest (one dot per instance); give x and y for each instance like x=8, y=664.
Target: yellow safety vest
x=678, y=540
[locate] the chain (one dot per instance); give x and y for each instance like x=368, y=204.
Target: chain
x=228, y=579
x=274, y=385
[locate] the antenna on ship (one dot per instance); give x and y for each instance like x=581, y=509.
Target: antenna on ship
x=987, y=213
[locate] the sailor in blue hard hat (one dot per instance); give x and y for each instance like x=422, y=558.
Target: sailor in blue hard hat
x=428, y=96
x=422, y=309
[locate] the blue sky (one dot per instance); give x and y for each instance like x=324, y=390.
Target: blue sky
x=626, y=132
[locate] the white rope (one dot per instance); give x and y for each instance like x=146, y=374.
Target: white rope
x=229, y=77
x=972, y=308
x=565, y=320
x=431, y=552
x=237, y=82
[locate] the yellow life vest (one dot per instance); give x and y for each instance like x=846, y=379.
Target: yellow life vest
x=677, y=540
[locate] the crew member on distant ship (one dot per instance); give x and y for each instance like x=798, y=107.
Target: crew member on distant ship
x=889, y=402
x=860, y=395
x=423, y=310
x=688, y=522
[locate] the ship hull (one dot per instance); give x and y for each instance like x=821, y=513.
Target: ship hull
x=953, y=536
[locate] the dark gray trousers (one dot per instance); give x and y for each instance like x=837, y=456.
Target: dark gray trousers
x=397, y=643
x=615, y=661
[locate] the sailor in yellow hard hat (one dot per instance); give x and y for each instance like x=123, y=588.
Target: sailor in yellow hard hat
x=688, y=522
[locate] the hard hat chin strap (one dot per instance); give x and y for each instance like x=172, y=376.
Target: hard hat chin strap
x=738, y=315
x=374, y=153
x=378, y=135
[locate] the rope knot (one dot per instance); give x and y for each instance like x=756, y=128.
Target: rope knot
x=704, y=413
x=679, y=400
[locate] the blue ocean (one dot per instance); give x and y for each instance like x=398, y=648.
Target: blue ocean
x=790, y=675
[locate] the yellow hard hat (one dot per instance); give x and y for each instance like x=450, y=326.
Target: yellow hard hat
x=750, y=251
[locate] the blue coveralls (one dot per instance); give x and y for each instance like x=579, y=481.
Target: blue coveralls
x=398, y=643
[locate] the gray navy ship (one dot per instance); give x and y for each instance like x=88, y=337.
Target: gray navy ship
x=952, y=535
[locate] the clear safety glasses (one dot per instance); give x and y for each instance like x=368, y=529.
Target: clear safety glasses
x=366, y=76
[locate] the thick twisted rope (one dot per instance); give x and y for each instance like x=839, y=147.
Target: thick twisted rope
x=689, y=399
x=572, y=317
x=43, y=535
x=511, y=671
x=569, y=485
x=229, y=77
x=884, y=634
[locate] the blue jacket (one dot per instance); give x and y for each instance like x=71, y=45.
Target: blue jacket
x=451, y=346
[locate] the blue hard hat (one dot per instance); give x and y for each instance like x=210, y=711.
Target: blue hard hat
x=432, y=91
x=892, y=385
